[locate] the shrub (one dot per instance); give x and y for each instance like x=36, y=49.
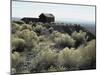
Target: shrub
x=42, y=38
x=79, y=35
x=70, y=58
x=18, y=44
x=15, y=57
x=64, y=40
x=15, y=27
x=52, y=69
x=38, y=29
x=55, y=34
x=80, y=38
x=30, y=38
x=28, y=35
x=47, y=55
x=35, y=50
x=26, y=26
x=88, y=54
x=51, y=29
x=44, y=59
x=61, y=68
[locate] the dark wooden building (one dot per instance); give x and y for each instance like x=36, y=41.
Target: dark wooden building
x=46, y=18
x=30, y=19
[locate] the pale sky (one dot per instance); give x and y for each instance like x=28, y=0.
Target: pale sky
x=60, y=11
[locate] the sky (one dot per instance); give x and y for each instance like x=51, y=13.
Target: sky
x=60, y=11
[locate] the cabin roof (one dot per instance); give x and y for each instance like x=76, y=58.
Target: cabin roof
x=47, y=15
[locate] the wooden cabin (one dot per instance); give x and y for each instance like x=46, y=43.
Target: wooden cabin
x=30, y=19
x=43, y=17
x=46, y=18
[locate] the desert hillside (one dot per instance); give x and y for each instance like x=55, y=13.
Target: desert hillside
x=48, y=47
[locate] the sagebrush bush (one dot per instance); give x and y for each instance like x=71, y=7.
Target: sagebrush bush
x=26, y=26
x=42, y=38
x=55, y=34
x=15, y=27
x=28, y=35
x=69, y=58
x=44, y=59
x=47, y=55
x=52, y=69
x=79, y=35
x=38, y=29
x=15, y=59
x=64, y=40
x=18, y=44
x=88, y=54
x=35, y=51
